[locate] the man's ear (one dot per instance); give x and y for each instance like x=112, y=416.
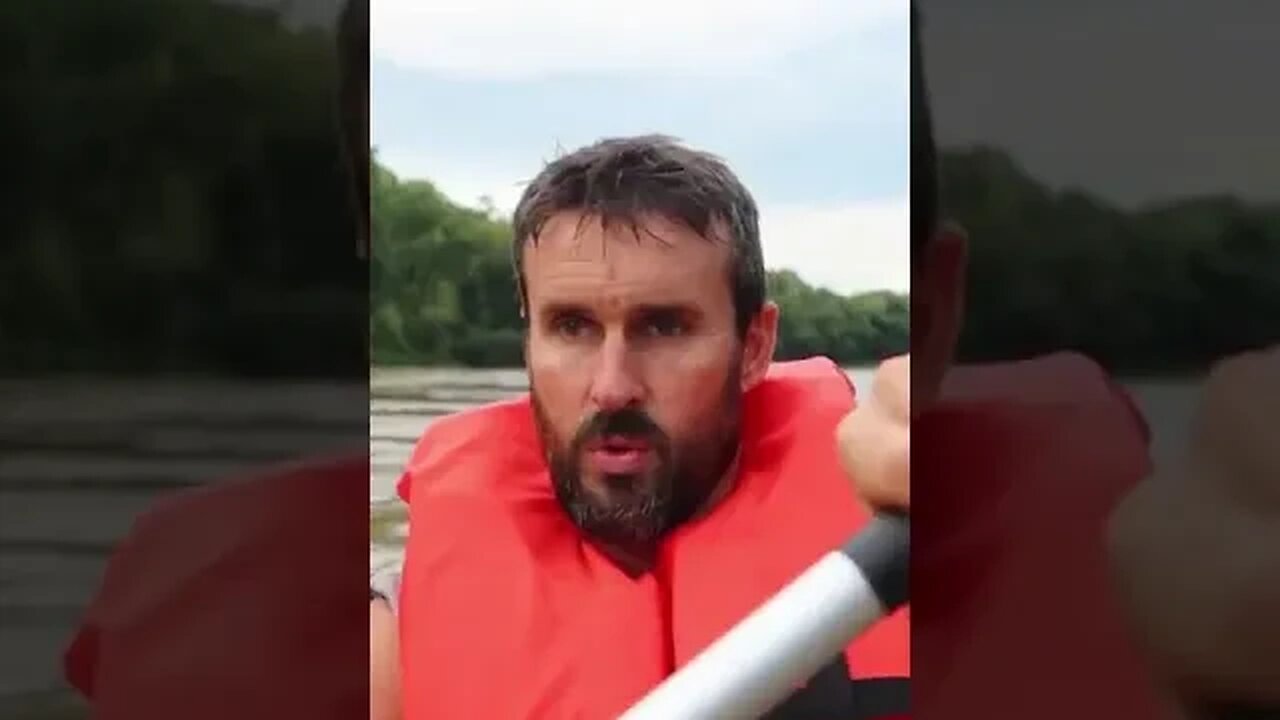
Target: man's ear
x=758, y=345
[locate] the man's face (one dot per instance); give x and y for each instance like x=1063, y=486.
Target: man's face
x=636, y=371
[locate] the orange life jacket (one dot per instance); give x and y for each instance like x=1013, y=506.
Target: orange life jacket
x=1014, y=477
x=508, y=614
x=237, y=599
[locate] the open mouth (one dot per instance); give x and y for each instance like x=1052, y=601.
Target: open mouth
x=619, y=455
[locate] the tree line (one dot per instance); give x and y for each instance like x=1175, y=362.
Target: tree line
x=178, y=197
x=179, y=200
x=1164, y=288
x=443, y=290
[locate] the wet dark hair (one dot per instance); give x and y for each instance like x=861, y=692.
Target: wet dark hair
x=622, y=179
x=924, y=153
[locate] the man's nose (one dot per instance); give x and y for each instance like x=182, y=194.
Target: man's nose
x=616, y=384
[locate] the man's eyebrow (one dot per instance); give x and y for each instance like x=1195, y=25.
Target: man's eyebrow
x=555, y=308
x=666, y=308
x=562, y=307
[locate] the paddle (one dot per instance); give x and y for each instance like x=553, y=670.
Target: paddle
x=759, y=662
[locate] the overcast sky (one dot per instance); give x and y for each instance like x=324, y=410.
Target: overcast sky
x=1133, y=100
x=807, y=100
x=809, y=104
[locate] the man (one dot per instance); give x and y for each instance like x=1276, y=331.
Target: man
x=570, y=549
x=1031, y=627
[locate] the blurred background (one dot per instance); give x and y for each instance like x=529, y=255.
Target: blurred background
x=1106, y=169
x=180, y=302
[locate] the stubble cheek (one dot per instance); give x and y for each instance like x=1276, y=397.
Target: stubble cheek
x=559, y=392
x=693, y=392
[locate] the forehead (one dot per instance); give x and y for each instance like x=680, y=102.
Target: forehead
x=577, y=260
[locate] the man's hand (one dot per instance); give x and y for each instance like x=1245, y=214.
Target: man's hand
x=1195, y=549
x=874, y=440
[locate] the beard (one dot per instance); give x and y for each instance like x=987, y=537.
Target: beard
x=634, y=511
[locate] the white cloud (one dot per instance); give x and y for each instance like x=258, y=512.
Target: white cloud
x=463, y=183
x=847, y=248
x=1158, y=109
x=522, y=39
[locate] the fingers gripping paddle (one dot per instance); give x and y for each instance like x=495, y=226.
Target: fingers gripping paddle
x=783, y=643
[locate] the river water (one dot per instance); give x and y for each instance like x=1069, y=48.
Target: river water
x=75, y=473
x=81, y=457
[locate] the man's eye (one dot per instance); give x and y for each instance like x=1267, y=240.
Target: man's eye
x=571, y=326
x=664, y=326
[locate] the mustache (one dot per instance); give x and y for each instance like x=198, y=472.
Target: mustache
x=627, y=421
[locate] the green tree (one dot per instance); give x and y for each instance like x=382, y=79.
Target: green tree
x=443, y=291
x=176, y=191
x=1165, y=288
